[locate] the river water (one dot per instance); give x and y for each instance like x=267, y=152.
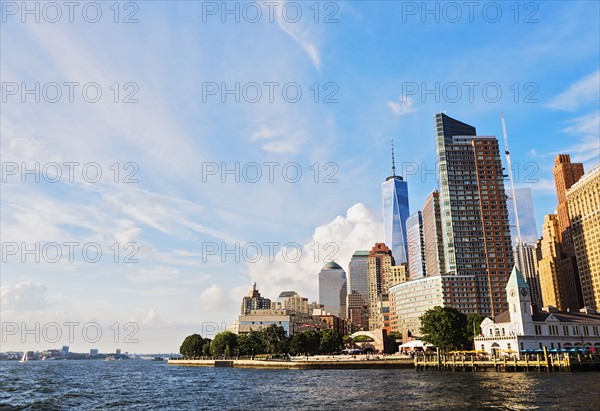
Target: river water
x=148, y=385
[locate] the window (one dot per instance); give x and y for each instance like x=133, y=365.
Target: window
x=508, y=347
x=565, y=330
x=538, y=330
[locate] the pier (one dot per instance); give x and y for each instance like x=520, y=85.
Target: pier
x=546, y=362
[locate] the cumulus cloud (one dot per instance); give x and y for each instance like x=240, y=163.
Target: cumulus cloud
x=24, y=296
x=337, y=240
x=402, y=107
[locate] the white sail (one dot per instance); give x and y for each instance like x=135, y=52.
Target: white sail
x=24, y=359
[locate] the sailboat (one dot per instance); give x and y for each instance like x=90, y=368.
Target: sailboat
x=25, y=358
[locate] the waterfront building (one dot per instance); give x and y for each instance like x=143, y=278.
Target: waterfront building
x=583, y=200
x=520, y=329
x=331, y=322
x=416, y=246
x=475, y=226
x=526, y=214
x=291, y=321
x=395, y=212
x=379, y=267
x=254, y=301
x=410, y=300
x=433, y=240
x=333, y=289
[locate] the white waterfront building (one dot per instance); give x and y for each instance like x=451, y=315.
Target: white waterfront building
x=520, y=329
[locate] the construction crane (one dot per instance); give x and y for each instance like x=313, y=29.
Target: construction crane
x=511, y=176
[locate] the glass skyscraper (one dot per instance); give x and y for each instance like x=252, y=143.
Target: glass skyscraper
x=416, y=248
x=529, y=234
x=395, y=212
x=332, y=289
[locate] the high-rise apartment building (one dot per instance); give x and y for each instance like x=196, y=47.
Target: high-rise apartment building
x=415, y=245
x=333, y=289
x=583, y=200
x=291, y=300
x=565, y=175
x=395, y=212
x=379, y=266
x=433, y=240
x=475, y=226
x=254, y=301
x=526, y=262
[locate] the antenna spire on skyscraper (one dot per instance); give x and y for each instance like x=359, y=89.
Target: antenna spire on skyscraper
x=393, y=160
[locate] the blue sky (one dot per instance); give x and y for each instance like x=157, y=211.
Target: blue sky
x=376, y=59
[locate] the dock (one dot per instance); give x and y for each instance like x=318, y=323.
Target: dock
x=540, y=362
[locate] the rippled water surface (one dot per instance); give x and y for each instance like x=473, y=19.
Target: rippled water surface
x=147, y=385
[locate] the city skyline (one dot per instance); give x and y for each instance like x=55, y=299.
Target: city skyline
x=179, y=195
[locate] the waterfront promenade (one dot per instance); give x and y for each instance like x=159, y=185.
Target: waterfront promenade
x=312, y=362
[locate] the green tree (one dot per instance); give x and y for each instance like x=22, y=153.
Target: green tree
x=445, y=328
x=192, y=346
x=224, y=343
x=275, y=339
x=473, y=327
x=298, y=344
x=331, y=342
x=313, y=341
x=251, y=343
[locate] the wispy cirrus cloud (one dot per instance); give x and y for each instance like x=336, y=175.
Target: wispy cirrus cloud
x=579, y=93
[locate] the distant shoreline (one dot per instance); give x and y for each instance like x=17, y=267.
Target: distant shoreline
x=320, y=363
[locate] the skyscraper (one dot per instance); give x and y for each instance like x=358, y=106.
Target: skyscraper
x=357, y=301
x=583, y=200
x=565, y=175
x=433, y=239
x=549, y=264
x=416, y=247
x=475, y=224
x=379, y=265
x=333, y=289
x=395, y=212
x=529, y=234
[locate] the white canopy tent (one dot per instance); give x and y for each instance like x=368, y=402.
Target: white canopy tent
x=415, y=344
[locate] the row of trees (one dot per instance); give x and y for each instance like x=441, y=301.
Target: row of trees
x=269, y=340
x=449, y=329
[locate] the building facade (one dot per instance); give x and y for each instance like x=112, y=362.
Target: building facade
x=475, y=224
x=521, y=329
x=292, y=321
x=333, y=289
x=416, y=246
x=433, y=240
x=527, y=263
x=410, y=300
x=583, y=200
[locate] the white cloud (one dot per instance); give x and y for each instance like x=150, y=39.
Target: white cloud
x=336, y=240
x=294, y=30
x=581, y=92
x=587, y=128
x=24, y=296
x=402, y=107
x=278, y=140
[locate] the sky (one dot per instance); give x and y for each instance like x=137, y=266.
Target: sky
x=158, y=157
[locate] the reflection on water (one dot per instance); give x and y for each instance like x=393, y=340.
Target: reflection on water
x=147, y=385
